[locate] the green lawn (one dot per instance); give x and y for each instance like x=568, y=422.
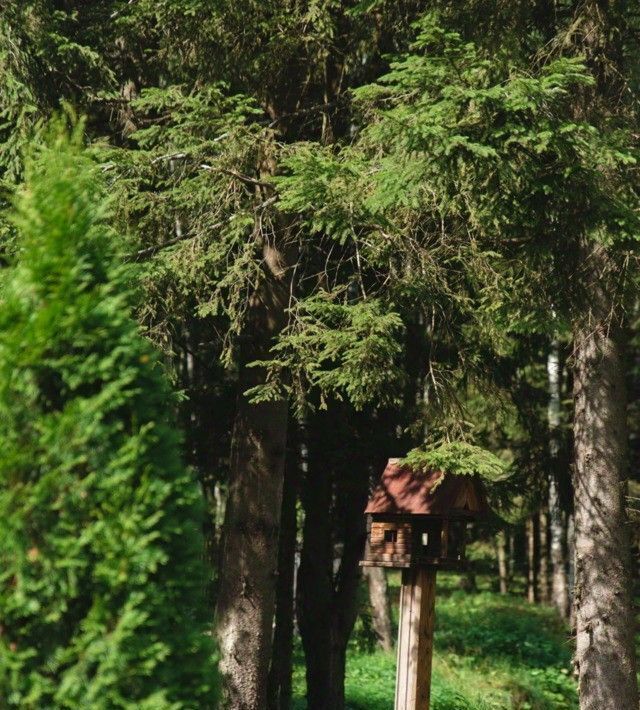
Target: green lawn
x=492, y=652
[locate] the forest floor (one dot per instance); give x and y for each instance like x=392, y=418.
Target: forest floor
x=493, y=652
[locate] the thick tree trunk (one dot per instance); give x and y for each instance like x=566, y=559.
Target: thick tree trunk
x=605, y=657
x=503, y=571
x=247, y=578
x=380, y=607
x=531, y=559
x=543, y=556
x=557, y=518
x=246, y=594
x=279, y=690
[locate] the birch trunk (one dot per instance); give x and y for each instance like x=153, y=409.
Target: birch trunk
x=543, y=556
x=503, y=571
x=531, y=559
x=557, y=524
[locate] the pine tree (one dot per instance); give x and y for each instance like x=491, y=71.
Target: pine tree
x=101, y=578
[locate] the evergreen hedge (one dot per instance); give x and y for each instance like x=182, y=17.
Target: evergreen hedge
x=102, y=583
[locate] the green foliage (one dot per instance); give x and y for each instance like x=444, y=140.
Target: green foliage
x=46, y=54
x=181, y=194
x=486, y=625
x=341, y=349
x=474, y=161
x=460, y=458
x=101, y=576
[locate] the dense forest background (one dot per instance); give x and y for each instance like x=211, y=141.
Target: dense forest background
x=351, y=230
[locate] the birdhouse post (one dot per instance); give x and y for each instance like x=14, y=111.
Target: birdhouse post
x=416, y=522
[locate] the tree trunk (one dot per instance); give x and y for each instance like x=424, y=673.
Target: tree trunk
x=468, y=582
x=380, y=607
x=543, y=556
x=247, y=577
x=511, y=558
x=327, y=610
x=279, y=690
x=605, y=657
x=503, y=572
x=315, y=580
x=531, y=559
x=327, y=602
x=557, y=519
x=571, y=568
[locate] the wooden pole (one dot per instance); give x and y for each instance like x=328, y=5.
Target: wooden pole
x=415, y=638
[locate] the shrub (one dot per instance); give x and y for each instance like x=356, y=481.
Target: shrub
x=101, y=576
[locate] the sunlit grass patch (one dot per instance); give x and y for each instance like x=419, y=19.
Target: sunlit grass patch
x=492, y=652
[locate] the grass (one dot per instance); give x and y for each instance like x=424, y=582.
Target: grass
x=492, y=652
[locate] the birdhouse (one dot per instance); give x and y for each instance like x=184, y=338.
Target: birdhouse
x=417, y=518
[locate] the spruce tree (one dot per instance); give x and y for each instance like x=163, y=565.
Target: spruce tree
x=102, y=599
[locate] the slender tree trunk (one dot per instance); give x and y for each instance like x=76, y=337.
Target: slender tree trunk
x=571, y=568
x=531, y=559
x=468, y=581
x=543, y=556
x=559, y=559
x=220, y=502
x=380, y=607
x=345, y=606
x=511, y=558
x=327, y=601
x=605, y=656
x=503, y=572
x=327, y=608
x=557, y=519
x=315, y=580
x=279, y=691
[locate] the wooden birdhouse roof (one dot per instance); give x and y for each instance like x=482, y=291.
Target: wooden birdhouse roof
x=405, y=491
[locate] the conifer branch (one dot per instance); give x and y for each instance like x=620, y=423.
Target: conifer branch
x=148, y=252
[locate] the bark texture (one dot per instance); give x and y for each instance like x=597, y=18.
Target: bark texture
x=605, y=657
x=380, y=607
x=571, y=568
x=246, y=594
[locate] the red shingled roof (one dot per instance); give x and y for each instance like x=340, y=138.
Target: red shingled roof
x=403, y=490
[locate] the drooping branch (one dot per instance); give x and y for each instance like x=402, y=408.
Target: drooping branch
x=148, y=252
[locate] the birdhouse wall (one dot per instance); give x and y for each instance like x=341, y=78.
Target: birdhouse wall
x=412, y=540
x=388, y=539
